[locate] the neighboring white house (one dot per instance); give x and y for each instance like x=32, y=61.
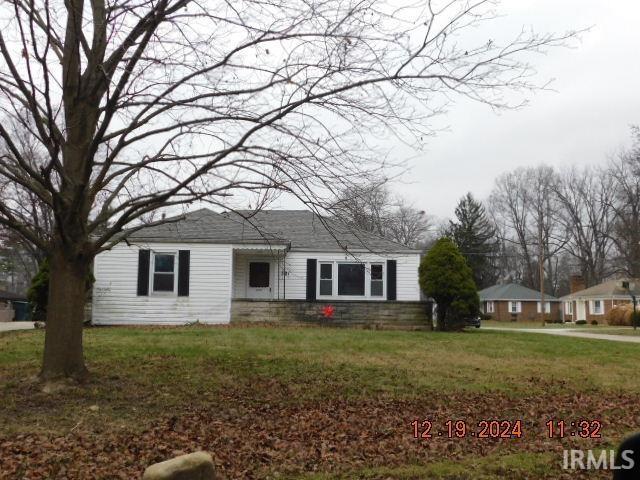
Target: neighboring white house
x=192, y=268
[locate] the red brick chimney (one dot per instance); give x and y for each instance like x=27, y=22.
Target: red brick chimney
x=576, y=283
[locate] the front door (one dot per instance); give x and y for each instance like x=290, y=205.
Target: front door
x=581, y=310
x=259, y=280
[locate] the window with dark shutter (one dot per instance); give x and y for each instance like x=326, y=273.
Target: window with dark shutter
x=184, y=261
x=391, y=280
x=144, y=257
x=312, y=265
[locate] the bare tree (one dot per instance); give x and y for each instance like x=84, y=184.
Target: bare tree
x=144, y=105
x=367, y=207
x=509, y=204
x=372, y=208
x=624, y=173
x=410, y=226
x=585, y=197
x=526, y=211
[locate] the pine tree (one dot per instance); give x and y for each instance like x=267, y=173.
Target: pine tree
x=475, y=236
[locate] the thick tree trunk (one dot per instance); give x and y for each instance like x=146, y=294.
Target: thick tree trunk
x=63, y=352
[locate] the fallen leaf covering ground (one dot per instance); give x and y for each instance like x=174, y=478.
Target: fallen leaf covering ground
x=311, y=403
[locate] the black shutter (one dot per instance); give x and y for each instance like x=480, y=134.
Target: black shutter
x=184, y=258
x=143, y=272
x=391, y=280
x=311, y=279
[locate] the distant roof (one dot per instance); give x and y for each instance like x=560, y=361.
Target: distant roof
x=301, y=229
x=5, y=295
x=513, y=291
x=611, y=288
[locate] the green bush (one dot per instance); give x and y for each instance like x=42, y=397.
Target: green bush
x=581, y=322
x=38, y=293
x=445, y=276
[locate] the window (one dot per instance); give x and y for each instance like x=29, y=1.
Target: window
x=351, y=279
x=568, y=308
x=164, y=272
x=490, y=308
x=596, y=307
x=377, y=281
x=326, y=279
x=259, y=274
x=515, y=307
x=547, y=307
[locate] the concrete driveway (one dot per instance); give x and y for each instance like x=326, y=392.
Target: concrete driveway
x=570, y=332
x=9, y=326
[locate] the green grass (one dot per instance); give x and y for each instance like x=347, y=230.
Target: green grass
x=517, y=465
x=232, y=377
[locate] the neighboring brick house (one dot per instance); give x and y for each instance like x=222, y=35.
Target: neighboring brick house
x=513, y=302
x=594, y=303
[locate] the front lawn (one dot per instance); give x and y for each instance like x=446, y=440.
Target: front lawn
x=312, y=403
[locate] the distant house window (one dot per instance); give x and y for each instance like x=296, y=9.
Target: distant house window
x=164, y=272
x=515, y=307
x=326, y=279
x=597, y=307
x=377, y=280
x=547, y=307
x=568, y=308
x=351, y=279
x=490, y=308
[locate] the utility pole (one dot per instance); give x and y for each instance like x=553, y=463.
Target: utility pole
x=627, y=286
x=541, y=266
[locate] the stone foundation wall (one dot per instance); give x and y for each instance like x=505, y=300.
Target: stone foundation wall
x=362, y=314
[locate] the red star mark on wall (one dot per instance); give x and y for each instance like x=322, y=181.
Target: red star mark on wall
x=328, y=311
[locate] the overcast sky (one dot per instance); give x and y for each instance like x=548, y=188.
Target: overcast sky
x=585, y=120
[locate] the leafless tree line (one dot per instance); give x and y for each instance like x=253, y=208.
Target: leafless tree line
x=373, y=208
x=578, y=221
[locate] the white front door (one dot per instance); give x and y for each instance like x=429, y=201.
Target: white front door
x=259, y=279
x=581, y=310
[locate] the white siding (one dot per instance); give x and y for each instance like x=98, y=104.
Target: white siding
x=407, y=288
x=115, y=299
x=239, y=276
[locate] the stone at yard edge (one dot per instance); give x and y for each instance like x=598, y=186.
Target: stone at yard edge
x=194, y=466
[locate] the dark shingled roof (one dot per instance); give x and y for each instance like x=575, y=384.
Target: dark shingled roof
x=302, y=229
x=513, y=291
